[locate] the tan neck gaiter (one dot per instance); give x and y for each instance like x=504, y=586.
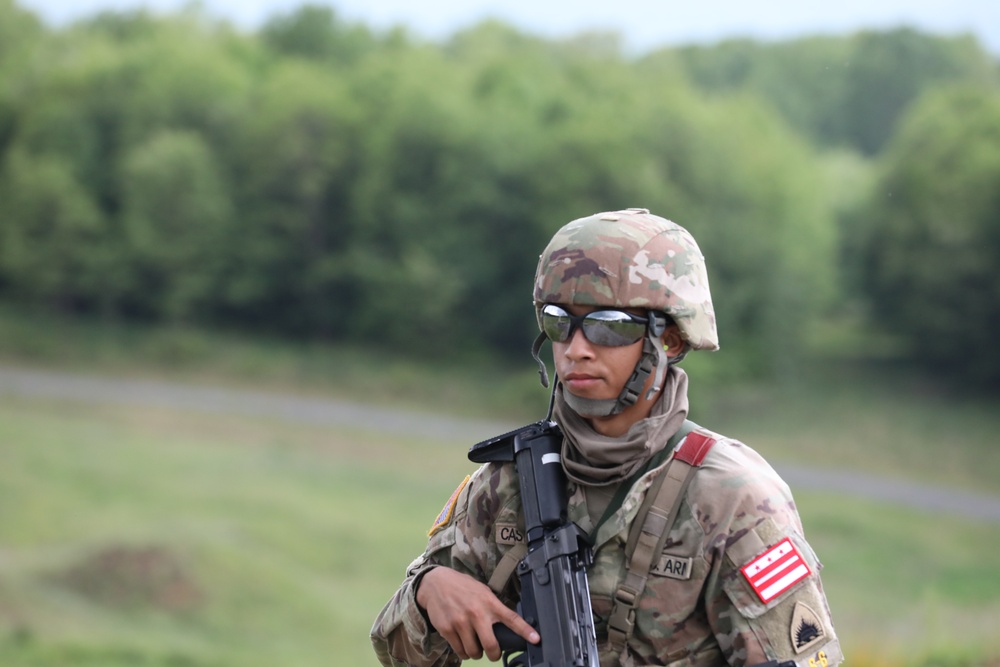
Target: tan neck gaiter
x=596, y=460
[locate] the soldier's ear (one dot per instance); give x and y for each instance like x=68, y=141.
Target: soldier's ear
x=673, y=342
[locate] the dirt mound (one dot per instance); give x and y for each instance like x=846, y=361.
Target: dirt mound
x=135, y=577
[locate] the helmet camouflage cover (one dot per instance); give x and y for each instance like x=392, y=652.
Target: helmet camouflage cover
x=630, y=259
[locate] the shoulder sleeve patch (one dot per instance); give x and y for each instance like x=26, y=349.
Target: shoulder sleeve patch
x=807, y=629
x=449, y=508
x=776, y=570
x=694, y=448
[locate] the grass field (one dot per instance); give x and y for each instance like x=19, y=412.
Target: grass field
x=159, y=537
x=152, y=537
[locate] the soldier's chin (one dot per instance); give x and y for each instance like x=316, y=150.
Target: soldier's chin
x=591, y=407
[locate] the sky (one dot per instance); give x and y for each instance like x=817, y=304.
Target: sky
x=644, y=24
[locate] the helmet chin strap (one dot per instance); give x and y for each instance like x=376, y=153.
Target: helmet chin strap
x=652, y=357
x=536, y=349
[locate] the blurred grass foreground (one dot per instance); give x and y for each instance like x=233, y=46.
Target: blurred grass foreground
x=142, y=532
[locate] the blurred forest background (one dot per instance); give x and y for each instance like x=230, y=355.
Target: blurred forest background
x=319, y=180
x=317, y=198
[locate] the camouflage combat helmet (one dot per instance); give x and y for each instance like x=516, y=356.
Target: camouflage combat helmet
x=630, y=259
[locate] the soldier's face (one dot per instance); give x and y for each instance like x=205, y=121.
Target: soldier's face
x=593, y=371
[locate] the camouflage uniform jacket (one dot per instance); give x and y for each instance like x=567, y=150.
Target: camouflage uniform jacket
x=699, y=607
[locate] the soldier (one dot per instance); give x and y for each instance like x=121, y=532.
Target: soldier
x=623, y=296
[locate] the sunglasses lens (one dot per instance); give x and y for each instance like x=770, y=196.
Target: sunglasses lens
x=611, y=328
x=556, y=323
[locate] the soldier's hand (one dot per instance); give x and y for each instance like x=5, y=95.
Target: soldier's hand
x=463, y=611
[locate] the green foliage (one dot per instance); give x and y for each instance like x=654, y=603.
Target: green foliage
x=803, y=79
x=934, y=233
x=18, y=30
x=20, y=33
x=315, y=32
x=889, y=71
x=320, y=180
x=176, y=214
x=52, y=241
x=293, y=165
x=841, y=91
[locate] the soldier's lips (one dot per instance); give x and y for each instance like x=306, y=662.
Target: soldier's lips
x=580, y=382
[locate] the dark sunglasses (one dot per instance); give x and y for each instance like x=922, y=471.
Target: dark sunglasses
x=611, y=328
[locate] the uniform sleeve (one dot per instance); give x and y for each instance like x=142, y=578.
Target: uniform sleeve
x=462, y=539
x=765, y=599
x=401, y=635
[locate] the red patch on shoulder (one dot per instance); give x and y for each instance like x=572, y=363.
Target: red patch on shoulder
x=694, y=449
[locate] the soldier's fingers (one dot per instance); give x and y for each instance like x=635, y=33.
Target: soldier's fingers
x=489, y=642
x=471, y=647
x=454, y=642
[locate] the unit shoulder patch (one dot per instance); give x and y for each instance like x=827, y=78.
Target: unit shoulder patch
x=806, y=628
x=444, y=518
x=776, y=571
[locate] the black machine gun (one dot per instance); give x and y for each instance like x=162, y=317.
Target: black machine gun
x=555, y=596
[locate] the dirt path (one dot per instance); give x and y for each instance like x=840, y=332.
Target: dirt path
x=334, y=413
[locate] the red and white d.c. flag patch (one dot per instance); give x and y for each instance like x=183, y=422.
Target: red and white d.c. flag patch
x=776, y=570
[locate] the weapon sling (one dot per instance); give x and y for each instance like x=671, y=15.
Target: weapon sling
x=649, y=530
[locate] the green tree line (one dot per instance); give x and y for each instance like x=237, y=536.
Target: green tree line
x=316, y=178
